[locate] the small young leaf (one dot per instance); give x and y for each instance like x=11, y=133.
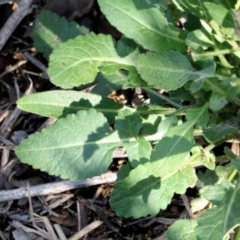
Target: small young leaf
x=217, y=222
x=141, y=21
x=50, y=31
x=168, y=70
x=182, y=229
x=78, y=60
x=75, y=147
x=59, y=103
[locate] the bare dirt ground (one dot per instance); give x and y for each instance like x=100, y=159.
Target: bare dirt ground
x=73, y=213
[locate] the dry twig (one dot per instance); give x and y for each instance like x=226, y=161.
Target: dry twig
x=86, y=230
x=13, y=21
x=53, y=188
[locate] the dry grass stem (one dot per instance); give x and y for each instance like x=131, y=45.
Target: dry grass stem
x=13, y=21
x=54, y=188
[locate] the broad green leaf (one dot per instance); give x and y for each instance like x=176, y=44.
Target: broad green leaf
x=75, y=147
x=218, y=132
x=50, y=31
x=78, y=60
x=217, y=222
x=143, y=22
x=222, y=16
x=168, y=70
x=182, y=229
x=144, y=191
x=149, y=187
x=59, y=103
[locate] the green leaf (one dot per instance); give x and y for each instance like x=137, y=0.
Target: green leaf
x=156, y=130
x=150, y=124
x=168, y=70
x=182, y=229
x=229, y=4
x=218, y=132
x=78, y=60
x=181, y=94
x=194, y=7
x=133, y=195
x=147, y=183
x=206, y=178
x=128, y=124
x=235, y=163
x=148, y=23
x=75, y=147
x=50, y=31
x=106, y=84
x=201, y=157
x=160, y=4
x=202, y=111
x=149, y=187
x=220, y=14
x=217, y=222
x=59, y=103
x=138, y=151
x=222, y=91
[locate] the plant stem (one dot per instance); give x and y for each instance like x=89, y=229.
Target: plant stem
x=165, y=98
x=237, y=234
x=217, y=53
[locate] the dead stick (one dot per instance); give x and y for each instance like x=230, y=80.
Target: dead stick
x=17, y=16
x=54, y=188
